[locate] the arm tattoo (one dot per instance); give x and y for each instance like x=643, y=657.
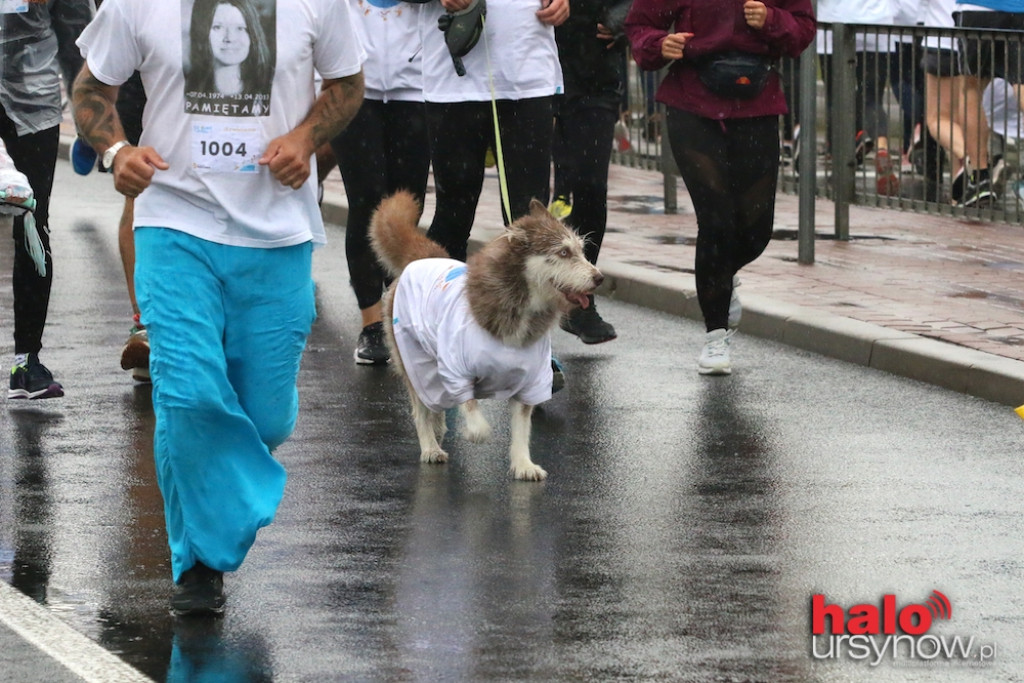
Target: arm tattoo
x=336, y=106
x=94, y=111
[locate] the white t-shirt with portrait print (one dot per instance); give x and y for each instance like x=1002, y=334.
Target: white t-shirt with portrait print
x=213, y=189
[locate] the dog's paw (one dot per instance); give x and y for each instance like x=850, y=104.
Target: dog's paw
x=530, y=472
x=434, y=455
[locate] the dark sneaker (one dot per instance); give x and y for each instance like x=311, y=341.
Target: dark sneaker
x=371, y=349
x=979, y=193
x=199, y=592
x=135, y=354
x=588, y=325
x=557, y=376
x=31, y=379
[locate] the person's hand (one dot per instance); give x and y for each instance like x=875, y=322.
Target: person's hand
x=674, y=44
x=287, y=157
x=755, y=14
x=14, y=191
x=553, y=12
x=604, y=33
x=133, y=169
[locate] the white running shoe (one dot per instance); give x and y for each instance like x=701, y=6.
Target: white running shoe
x=714, y=357
x=735, y=309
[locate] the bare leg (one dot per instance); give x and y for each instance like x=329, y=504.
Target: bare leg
x=126, y=244
x=976, y=131
x=372, y=314
x=944, y=115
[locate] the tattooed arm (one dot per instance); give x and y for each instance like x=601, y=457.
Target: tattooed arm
x=288, y=156
x=95, y=114
x=97, y=121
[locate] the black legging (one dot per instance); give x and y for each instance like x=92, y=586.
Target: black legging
x=582, y=151
x=383, y=150
x=460, y=133
x=35, y=155
x=731, y=172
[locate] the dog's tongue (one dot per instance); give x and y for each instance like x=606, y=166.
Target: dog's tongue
x=581, y=300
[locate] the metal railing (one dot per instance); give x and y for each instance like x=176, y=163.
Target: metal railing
x=874, y=128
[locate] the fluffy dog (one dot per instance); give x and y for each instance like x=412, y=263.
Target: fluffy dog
x=460, y=332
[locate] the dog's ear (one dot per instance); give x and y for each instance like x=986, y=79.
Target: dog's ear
x=536, y=207
x=516, y=233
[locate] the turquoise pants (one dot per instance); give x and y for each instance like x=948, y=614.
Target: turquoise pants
x=227, y=327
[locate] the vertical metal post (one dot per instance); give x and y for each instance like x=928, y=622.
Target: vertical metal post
x=842, y=111
x=808, y=161
x=669, y=171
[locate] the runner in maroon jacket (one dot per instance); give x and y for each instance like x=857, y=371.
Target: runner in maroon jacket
x=726, y=147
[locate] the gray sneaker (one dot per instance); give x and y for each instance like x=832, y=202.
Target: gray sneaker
x=714, y=357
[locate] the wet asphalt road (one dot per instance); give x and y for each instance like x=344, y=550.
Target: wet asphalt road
x=684, y=527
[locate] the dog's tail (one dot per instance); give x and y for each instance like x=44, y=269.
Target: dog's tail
x=395, y=237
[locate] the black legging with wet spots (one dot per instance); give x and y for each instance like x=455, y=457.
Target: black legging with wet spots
x=460, y=133
x=383, y=150
x=731, y=170
x=35, y=155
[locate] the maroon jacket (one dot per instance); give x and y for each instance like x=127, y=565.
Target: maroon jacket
x=717, y=26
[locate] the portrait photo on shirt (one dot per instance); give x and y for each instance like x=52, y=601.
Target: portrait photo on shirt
x=229, y=54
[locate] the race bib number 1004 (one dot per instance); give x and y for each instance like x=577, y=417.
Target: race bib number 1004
x=226, y=147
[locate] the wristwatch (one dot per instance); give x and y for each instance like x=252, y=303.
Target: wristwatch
x=108, y=156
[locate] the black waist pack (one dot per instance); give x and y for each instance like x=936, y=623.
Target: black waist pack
x=737, y=75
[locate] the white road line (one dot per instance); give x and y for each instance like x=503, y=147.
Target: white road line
x=65, y=645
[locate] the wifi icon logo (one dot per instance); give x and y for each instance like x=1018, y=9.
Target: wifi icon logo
x=939, y=605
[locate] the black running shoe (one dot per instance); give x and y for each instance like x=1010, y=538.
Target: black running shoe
x=31, y=380
x=588, y=325
x=199, y=592
x=979, y=194
x=371, y=349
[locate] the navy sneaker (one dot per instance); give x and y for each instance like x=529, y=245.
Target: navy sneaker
x=31, y=379
x=199, y=592
x=83, y=157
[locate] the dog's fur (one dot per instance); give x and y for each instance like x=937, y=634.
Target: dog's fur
x=518, y=287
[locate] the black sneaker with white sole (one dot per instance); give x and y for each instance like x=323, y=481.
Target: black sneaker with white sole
x=32, y=380
x=979, y=194
x=371, y=348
